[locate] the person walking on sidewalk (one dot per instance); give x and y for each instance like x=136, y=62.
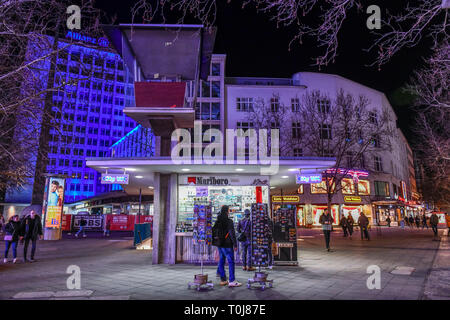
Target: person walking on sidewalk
x=344, y=225
x=245, y=238
x=388, y=220
x=83, y=223
x=363, y=223
x=326, y=220
x=12, y=230
x=350, y=223
x=31, y=231
x=224, y=238
x=417, y=220
x=434, y=221
x=106, y=231
x=447, y=220
x=424, y=221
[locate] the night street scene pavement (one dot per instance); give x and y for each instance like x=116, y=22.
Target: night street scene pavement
x=222, y=159
x=112, y=269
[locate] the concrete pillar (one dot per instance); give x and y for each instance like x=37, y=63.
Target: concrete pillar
x=164, y=219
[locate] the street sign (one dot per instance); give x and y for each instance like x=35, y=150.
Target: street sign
x=308, y=178
x=114, y=178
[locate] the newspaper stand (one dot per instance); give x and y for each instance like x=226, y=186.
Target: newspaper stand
x=260, y=244
x=202, y=236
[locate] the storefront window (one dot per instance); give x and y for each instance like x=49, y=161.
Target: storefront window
x=318, y=210
x=321, y=187
x=364, y=187
x=348, y=187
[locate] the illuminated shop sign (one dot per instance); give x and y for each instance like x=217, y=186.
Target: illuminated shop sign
x=211, y=181
x=115, y=178
x=308, y=178
x=358, y=173
x=285, y=199
x=352, y=199
x=404, y=190
x=103, y=42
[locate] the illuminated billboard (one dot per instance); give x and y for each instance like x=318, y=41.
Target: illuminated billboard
x=54, y=201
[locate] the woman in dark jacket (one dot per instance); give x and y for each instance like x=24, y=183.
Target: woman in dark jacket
x=226, y=243
x=12, y=230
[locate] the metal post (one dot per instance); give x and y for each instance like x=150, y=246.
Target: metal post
x=140, y=200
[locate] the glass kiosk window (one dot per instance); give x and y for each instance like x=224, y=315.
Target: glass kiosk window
x=238, y=198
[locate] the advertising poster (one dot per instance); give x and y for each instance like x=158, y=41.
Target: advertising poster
x=318, y=210
x=54, y=202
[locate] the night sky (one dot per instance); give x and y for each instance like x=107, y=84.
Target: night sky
x=255, y=47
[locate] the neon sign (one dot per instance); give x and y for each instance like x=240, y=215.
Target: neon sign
x=114, y=178
x=308, y=178
x=103, y=42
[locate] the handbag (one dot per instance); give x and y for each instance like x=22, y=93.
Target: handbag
x=8, y=237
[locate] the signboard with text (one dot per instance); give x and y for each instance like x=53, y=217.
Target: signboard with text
x=308, y=178
x=114, y=178
x=352, y=199
x=286, y=199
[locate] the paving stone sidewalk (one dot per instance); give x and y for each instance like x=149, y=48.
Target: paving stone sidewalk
x=112, y=269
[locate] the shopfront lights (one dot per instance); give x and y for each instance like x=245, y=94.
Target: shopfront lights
x=130, y=169
x=139, y=177
x=293, y=169
x=150, y=187
x=239, y=169
x=285, y=177
x=272, y=187
x=185, y=169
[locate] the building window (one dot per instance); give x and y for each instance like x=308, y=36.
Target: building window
x=215, y=88
x=274, y=104
x=323, y=105
x=295, y=103
x=215, y=111
x=325, y=131
x=381, y=188
x=244, y=104
x=205, y=115
x=298, y=152
x=206, y=91
x=378, y=163
x=373, y=118
x=215, y=69
x=376, y=141
x=296, y=131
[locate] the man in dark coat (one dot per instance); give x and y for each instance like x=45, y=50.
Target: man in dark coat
x=244, y=227
x=344, y=225
x=434, y=221
x=31, y=230
x=326, y=220
x=226, y=241
x=363, y=223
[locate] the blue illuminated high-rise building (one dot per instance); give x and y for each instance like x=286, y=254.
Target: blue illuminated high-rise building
x=96, y=86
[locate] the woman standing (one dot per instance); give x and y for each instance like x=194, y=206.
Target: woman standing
x=12, y=230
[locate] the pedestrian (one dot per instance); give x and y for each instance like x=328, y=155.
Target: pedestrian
x=83, y=223
x=2, y=224
x=106, y=231
x=388, y=220
x=343, y=223
x=411, y=222
x=402, y=224
x=350, y=223
x=447, y=220
x=363, y=223
x=326, y=220
x=245, y=238
x=224, y=238
x=424, y=221
x=269, y=235
x=434, y=221
x=31, y=231
x=417, y=220
x=12, y=230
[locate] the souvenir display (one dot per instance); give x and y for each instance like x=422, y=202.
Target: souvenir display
x=285, y=236
x=202, y=224
x=260, y=232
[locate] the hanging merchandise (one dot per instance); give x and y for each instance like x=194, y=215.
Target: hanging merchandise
x=202, y=236
x=285, y=236
x=260, y=243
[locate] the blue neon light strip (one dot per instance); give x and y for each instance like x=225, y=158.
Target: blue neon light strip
x=121, y=139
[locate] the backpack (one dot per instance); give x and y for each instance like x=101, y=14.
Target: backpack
x=219, y=237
